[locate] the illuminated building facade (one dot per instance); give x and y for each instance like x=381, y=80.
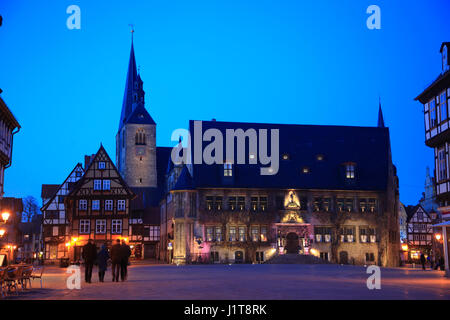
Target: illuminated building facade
x=97, y=205
x=435, y=99
x=335, y=196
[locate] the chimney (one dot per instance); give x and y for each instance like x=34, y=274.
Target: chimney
x=87, y=161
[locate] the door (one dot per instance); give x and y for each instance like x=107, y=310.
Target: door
x=343, y=257
x=292, y=243
x=238, y=257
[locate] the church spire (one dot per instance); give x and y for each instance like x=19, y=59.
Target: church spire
x=133, y=87
x=380, y=115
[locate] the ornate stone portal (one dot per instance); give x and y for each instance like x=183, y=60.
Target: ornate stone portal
x=293, y=233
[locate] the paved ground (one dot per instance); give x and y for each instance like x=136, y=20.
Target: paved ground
x=216, y=282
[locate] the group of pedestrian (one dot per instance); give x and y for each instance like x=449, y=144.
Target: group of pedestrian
x=434, y=265
x=120, y=254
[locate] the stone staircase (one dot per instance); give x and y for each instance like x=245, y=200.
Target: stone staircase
x=290, y=258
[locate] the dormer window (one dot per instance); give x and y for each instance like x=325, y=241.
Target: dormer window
x=319, y=157
x=285, y=156
x=350, y=171
x=305, y=170
x=101, y=165
x=227, y=169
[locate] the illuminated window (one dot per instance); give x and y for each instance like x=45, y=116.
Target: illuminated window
x=255, y=234
x=443, y=106
x=106, y=184
x=285, y=156
x=218, y=234
x=218, y=203
x=121, y=205
x=305, y=170
x=116, y=226
x=97, y=184
x=232, y=203
x=95, y=204
x=432, y=106
x=241, y=203
x=442, y=164
x=232, y=234
x=209, y=234
x=242, y=234
x=100, y=226
x=85, y=226
x=350, y=171
x=319, y=157
x=228, y=169
x=83, y=205
x=372, y=205
x=209, y=203
x=154, y=233
x=263, y=234
x=108, y=205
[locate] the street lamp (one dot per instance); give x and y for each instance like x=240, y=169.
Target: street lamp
x=2, y=232
x=5, y=216
x=438, y=236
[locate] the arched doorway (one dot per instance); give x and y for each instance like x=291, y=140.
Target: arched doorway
x=238, y=257
x=292, y=243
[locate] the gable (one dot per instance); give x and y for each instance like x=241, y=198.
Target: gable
x=102, y=168
x=63, y=189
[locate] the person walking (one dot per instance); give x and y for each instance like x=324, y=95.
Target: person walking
x=89, y=256
x=423, y=260
x=125, y=254
x=116, y=260
x=102, y=258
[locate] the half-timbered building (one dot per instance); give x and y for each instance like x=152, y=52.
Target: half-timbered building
x=420, y=232
x=435, y=100
x=55, y=226
x=98, y=205
x=8, y=128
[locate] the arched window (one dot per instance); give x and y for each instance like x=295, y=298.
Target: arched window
x=140, y=137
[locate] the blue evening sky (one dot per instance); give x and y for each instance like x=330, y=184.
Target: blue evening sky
x=304, y=62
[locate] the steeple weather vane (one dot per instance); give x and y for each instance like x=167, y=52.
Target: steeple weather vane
x=132, y=30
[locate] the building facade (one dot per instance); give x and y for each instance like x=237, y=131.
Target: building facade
x=335, y=196
x=8, y=228
x=97, y=206
x=55, y=224
x=8, y=128
x=435, y=101
x=31, y=246
x=420, y=232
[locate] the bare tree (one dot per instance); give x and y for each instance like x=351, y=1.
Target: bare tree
x=30, y=208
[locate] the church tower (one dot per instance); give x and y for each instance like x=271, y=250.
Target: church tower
x=136, y=137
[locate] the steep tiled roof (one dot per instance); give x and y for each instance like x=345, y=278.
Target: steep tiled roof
x=367, y=147
x=48, y=190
